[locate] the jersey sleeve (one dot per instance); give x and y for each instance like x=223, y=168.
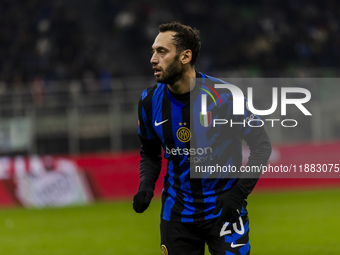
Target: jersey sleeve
x=250, y=128
x=145, y=129
x=150, y=151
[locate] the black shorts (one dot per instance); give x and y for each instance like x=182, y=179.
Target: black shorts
x=189, y=238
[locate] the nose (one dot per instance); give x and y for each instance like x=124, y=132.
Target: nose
x=154, y=59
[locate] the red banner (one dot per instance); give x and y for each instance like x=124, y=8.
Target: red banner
x=116, y=175
x=42, y=181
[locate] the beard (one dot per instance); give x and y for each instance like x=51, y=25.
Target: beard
x=172, y=73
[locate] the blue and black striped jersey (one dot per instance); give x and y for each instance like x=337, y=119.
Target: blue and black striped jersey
x=187, y=137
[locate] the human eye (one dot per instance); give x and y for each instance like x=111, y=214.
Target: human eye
x=162, y=51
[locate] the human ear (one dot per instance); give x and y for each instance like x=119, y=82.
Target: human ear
x=186, y=56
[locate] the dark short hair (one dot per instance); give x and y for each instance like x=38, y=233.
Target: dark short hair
x=185, y=38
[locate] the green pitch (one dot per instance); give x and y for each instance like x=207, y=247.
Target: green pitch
x=295, y=223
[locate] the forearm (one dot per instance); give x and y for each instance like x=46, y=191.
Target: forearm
x=260, y=150
x=150, y=163
x=150, y=168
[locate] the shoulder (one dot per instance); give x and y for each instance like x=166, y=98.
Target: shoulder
x=210, y=82
x=208, y=78
x=152, y=93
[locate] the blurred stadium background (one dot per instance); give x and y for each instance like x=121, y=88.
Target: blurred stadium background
x=71, y=73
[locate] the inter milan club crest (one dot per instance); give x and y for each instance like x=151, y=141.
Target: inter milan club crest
x=205, y=119
x=183, y=133
x=164, y=250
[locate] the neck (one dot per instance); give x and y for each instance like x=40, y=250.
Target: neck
x=185, y=84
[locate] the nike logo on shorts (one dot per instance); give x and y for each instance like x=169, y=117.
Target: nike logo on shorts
x=232, y=245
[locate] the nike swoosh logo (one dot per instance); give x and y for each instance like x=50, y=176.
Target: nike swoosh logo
x=160, y=123
x=232, y=245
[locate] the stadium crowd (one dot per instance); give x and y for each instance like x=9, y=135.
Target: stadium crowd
x=47, y=40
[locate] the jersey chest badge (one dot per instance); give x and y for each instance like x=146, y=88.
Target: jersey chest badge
x=183, y=133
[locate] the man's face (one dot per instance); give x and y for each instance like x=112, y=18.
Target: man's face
x=165, y=60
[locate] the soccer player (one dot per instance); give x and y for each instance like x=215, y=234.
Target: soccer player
x=195, y=211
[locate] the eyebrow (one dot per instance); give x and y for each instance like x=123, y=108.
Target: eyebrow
x=159, y=48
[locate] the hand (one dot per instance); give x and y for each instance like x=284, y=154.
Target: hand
x=142, y=199
x=231, y=203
